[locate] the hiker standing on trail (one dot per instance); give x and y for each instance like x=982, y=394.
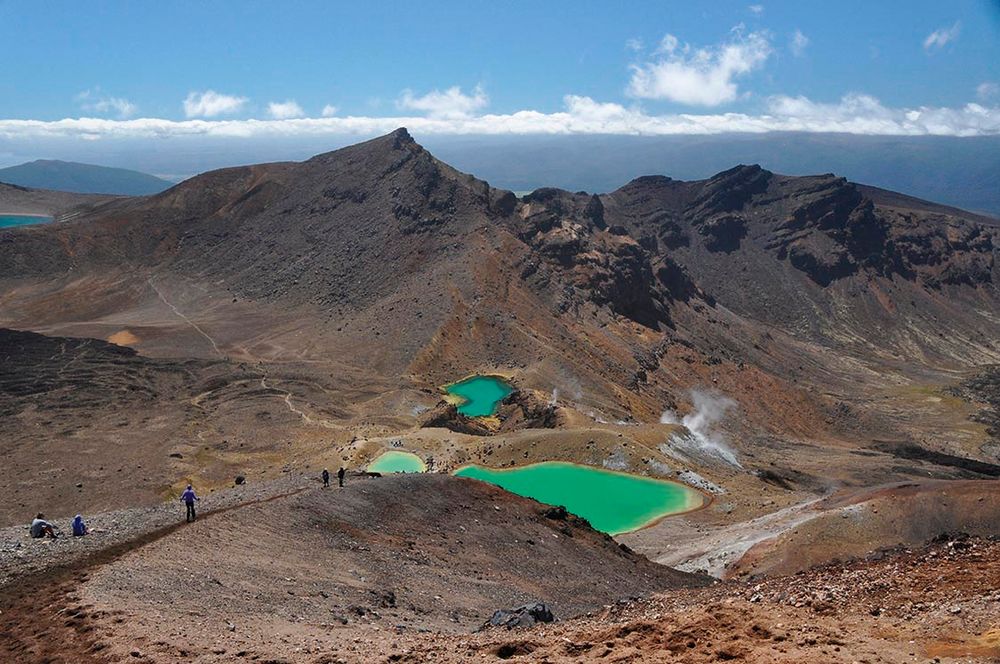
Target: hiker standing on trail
x=340, y=475
x=326, y=477
x=188, y=498
x=40, y=527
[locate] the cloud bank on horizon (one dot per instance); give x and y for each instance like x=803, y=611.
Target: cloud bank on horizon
x=702, y=78
x=853, y=113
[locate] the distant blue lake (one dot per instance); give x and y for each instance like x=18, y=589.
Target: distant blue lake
x=8, y=220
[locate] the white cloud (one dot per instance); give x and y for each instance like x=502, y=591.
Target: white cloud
x=942, y=36
x=329, y=111
x=285, y=110
x=210, y=104
x=450, y=104
x=93, y=100
x=798, y=43
x=704, y=77
x=987, y=90
x=854, y=113
x=669, y=44
x=633, y=44
x=864, y=114
x=756, y=9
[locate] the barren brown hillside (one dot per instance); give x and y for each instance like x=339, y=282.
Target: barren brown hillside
x=833, y=346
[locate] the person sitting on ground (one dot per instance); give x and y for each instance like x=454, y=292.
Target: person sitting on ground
x=340, y=475
x=80, y=527
x=326, y=477
x=40, y=527
x=188, y=498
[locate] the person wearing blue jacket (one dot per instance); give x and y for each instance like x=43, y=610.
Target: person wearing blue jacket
x=188, y=498
x=80, y=527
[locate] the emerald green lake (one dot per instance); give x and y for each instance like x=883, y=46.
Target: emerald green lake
x=9, y=220
x=397, y=462
x=480, y=395
x=612, y=502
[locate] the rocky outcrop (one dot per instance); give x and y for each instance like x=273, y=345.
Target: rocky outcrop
x=604, y=263
x=942, y=250
x=831, y=231
x=446, y=416
x=723, y=232
x=525, y=409
x=729, y=191
x=522, y=409
x=522, y=616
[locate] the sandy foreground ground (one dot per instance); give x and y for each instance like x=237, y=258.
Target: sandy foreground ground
x=148, y=588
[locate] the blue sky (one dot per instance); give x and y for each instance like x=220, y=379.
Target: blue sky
x=142, y=69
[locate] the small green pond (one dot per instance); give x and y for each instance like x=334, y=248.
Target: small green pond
x=10, y=220
x=612, y=502
x=479, y=395
x=397, y=462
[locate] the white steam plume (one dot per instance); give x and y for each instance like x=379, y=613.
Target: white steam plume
x=704, y=439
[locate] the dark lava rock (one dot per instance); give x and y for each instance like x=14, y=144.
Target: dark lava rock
x=522, y=409
x=446, y=416
x=823, y=264
x=385, y=599
x=912, y=451
x=522, y=616
x=557, y=513
x=723, y=233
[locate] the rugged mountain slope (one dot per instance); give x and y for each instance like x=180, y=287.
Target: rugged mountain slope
x=959, y=171
x=935, y=602
x=304, y=565
x=358, y=226
x=88, y=424
x=358, y=281
x=815, y=253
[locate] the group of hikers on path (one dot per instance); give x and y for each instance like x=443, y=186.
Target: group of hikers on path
x=41, y=528
x=340, y=476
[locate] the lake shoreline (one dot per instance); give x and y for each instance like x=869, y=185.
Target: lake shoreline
x=694, y=498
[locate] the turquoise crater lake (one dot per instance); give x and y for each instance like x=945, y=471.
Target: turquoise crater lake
x=612, y=502
x=397, y=462
x=479, y=396
x=11, y=220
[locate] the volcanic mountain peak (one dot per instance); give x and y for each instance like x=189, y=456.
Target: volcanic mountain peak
x=385, y=221
x=380, y=157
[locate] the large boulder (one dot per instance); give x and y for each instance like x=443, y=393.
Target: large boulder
x=522, y=616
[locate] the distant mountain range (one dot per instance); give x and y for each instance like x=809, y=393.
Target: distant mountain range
x=962, y=172
x=82, y=178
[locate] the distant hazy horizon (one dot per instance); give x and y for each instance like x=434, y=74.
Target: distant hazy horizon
x=956, y=171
